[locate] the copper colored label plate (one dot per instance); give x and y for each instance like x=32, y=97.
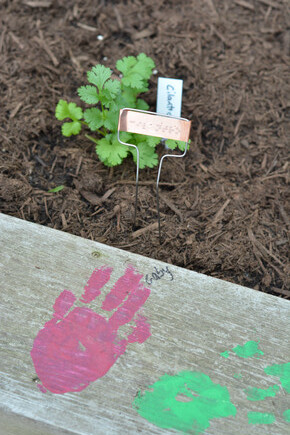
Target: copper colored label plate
x=154, y=125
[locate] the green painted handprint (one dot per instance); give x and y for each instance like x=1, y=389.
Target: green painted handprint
x=186, y=402
x=189, y=401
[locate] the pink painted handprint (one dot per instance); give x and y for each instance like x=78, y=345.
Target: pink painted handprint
x=78, y=346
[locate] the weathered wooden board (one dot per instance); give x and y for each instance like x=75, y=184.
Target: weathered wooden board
x=193, y=319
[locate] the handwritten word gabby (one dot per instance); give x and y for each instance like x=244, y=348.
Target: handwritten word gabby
x=158, y=274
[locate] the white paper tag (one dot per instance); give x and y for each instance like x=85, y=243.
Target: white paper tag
x=169, y=96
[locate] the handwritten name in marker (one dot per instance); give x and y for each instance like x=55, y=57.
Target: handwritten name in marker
x=159, y=274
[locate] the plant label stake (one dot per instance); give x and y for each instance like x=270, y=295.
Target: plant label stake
x=169, y=98
x=153, y=124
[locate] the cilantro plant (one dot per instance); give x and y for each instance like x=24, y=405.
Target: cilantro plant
x=108, y=96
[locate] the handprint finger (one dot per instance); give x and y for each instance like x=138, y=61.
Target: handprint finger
x=127, y=311
x=125, y=285
x=98, y=279
x=63, y=304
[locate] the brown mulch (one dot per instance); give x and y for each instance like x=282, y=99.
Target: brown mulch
x=224, y=206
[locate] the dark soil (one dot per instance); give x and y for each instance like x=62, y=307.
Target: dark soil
x=224, y=206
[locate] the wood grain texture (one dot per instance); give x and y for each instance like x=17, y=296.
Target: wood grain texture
x=193, y=319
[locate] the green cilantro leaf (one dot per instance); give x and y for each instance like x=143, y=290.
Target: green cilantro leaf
x=152, y=141
x=110, y=92
x=147, y=155
x=111, y=151
x=126, y=64
x=144, y=66
x=172, y=144
x=136, y=71
x=94, y=118
x=128, y=97
x=98, y=75
x=68, y=110
x=69, y=128
x=111, y=118
x=133, y=80
x=113, y=87
x=88, y=94
x=141, y=104
x=138, y=138
x=123, y=100
x=125, y=136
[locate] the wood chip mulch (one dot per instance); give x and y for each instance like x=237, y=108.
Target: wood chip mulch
x=224, y=207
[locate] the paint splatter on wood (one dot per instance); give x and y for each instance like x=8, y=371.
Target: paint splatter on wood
x=260, y=418
x=248, y=350
x=283, y=371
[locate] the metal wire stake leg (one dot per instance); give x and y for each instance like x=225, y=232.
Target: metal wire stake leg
x=137, y=180
x=157, y=198
x=157, y=184
x=137, y=171
x=158, y=214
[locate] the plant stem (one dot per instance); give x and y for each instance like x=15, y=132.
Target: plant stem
x=100, y=132
x=91, y=138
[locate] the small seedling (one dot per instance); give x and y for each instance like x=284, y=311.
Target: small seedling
x=56, y=189
x=108, y=96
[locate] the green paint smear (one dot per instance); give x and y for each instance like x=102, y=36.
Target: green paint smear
x=238, y=376
x=286, y=415
x=186, y=402
x=225, y=354
x=260, y=418
x=248, y=350
x=255, y=394
x=283, y=371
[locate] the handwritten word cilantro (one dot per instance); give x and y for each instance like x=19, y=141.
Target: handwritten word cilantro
x=108, y=96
